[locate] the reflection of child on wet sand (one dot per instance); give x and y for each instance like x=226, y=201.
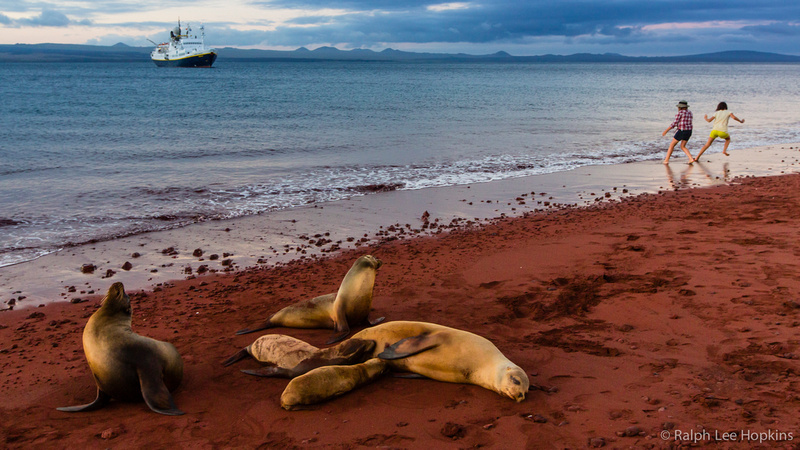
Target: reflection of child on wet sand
x=720, y=129
x=683, y=121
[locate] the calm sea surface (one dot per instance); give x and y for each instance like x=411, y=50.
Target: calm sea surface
x=97, y=151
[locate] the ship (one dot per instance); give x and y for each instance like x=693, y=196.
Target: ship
x=184, y=49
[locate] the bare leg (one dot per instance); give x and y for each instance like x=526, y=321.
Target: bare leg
x=705, y=147
x=725, y=149
x=685, y=150
x=670, y=149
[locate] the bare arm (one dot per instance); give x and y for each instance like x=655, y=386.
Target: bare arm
x=705, y=116
x=737, y=119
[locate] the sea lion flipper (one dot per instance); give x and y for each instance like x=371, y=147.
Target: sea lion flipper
x=376, y=321
x=155, y=392
x=263, y=326
x=409, y=346
x=238, y=356
x=338, y=337
x=270, y=371
x=99, y=402
x=408, y=375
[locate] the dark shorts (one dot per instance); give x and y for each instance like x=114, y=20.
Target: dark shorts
x=683, y=135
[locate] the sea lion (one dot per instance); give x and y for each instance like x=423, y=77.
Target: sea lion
x=125, y=365
x=324, y=383
x=446, y=354
x=349, y=306
x=289, y=357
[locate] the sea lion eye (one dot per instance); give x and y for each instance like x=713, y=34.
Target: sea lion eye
x=515, y=381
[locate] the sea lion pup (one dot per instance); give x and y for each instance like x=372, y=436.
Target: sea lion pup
x=446, y=354
x=125, y=365
x=289, y=357
x=327, y=382
x=349, y=306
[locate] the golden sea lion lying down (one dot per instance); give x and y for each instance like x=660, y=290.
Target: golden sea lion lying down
x=427, y=349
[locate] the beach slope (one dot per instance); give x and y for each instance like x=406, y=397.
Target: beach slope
x=642, y=322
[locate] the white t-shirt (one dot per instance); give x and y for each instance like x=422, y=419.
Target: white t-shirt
x=721, y=120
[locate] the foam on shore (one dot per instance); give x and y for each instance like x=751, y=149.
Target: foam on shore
x=317, y=230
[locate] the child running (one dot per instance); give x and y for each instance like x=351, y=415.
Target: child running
x=683, y=121
x=720, y=129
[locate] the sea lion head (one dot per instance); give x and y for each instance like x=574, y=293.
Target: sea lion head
x=369, y=261
x=116, y=300
x=514, y=383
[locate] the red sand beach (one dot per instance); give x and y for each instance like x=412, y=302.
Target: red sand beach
x=645, y=322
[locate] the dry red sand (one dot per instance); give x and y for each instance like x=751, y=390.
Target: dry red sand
x=676, y=311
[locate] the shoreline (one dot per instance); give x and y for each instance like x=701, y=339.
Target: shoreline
x=320, y=230
x=639, y=321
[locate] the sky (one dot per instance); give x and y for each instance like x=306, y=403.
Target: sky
x=519, y=27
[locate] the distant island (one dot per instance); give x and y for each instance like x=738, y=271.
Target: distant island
x=124, y=53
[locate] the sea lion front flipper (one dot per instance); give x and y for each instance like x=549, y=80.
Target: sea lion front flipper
x=154, y=391
x=338, y=337
x=409, y=346
x=101, y=401
x=408, y=375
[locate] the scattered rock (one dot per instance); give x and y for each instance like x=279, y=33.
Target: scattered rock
x=109, y=433
x=88, y=268
x=127, y=266
x=197, y=253
x=631, y=431
x=453, y=431
x=597, y=442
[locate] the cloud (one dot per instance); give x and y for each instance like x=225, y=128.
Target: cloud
x=775, y=29
x=582, y=25
x=47, y=18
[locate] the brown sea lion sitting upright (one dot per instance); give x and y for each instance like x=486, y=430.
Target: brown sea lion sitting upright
x=125, y=365
x=349, y=306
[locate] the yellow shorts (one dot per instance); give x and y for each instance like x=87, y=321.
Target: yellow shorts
x=719, y=134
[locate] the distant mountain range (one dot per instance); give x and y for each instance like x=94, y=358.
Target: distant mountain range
x=124, y=53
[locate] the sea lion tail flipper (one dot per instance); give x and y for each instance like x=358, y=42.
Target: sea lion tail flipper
x=101, y=401
x=270, y=371
x=238, y=356
x=409, y=346
x=263, y=326
x=154, y=391
x=376, y=321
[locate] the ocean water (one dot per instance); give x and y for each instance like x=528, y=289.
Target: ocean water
x=92, y=152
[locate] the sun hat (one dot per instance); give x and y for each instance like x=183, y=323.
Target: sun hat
x=683, y=104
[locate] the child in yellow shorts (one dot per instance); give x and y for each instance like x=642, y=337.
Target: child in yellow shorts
x=720, y=129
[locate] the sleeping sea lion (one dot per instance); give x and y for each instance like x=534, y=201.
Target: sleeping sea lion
x=327, y=382
x=446, y=354
x=289, y=357
x=349, y=306
x=125, y=365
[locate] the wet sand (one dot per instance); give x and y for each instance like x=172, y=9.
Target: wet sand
x=320, y=230
x=644, y=321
